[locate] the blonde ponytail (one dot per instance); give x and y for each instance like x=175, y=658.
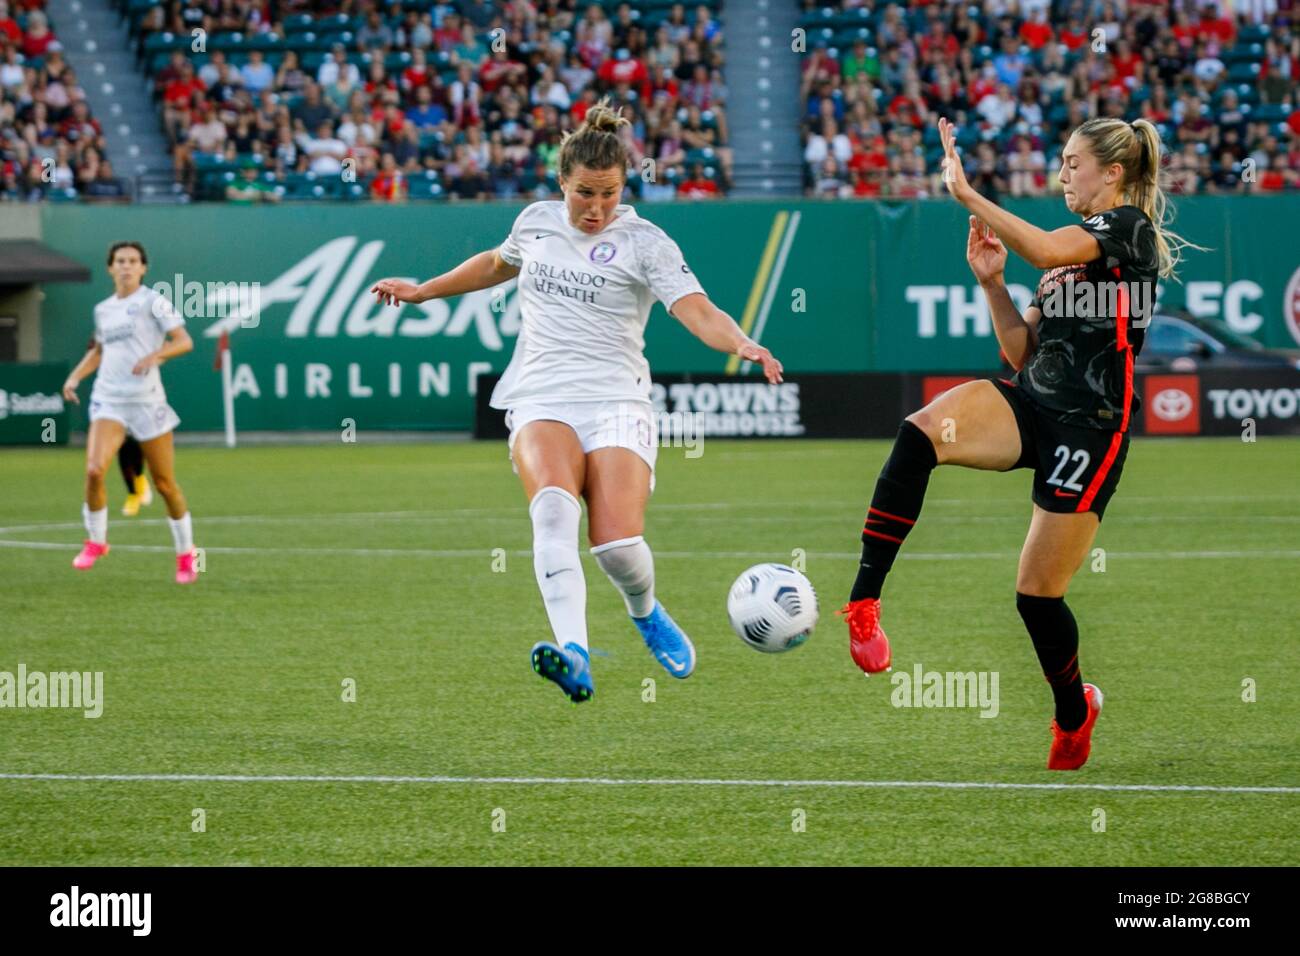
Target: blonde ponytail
x=1136, y=147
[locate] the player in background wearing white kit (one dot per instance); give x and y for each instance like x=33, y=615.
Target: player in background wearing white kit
x=577, y=390
x=136, y=330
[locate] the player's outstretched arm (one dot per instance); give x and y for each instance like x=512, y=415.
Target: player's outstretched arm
x=477, y=272
x=718, y=330
x=987, y=258
x=85, y=368
x=1040, y=248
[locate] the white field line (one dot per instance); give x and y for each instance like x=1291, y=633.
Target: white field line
x=628, y=782
x=749, y=504
x=521, y=516
x=515, y=514
x=747, y=555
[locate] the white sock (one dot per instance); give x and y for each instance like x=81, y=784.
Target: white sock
x=556, y=515
x=96, y=523
x=182, y=533
x=631, y=568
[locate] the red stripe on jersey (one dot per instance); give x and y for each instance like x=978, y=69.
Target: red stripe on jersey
x=1121, y=320
x=887, y=537
x=1128, y=389
x=1122, y=345
x=876, y=510
x=1095, y=485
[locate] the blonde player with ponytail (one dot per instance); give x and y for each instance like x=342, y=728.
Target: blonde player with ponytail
x=1065, y=413
x=577, y=390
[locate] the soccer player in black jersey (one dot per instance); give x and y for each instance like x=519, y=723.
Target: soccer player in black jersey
x=1066, y=411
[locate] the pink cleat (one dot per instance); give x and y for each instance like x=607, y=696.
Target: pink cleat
x=185, y=573
x=90, y=553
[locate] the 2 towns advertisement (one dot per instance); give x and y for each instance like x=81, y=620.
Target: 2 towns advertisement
x=830, y=287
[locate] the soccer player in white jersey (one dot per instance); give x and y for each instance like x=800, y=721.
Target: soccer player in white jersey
x=577, y=390
x=136, y=330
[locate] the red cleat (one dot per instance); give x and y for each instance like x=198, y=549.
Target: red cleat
x=1070, y=748
x=867, y=642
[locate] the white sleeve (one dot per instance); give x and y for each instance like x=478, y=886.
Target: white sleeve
x=509, y=250
x=666, y=274
x=165, y=313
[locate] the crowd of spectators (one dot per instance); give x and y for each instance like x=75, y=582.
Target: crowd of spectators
x=267, y=99
x=1219, y=80
x=465, y=100
x=50, y=144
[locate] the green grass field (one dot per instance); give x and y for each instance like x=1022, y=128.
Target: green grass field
x=374, y=563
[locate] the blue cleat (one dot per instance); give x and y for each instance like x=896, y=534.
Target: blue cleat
x=570, y=668
x=667, y=642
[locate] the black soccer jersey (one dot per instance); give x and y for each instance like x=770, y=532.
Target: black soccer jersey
x=1094, y=318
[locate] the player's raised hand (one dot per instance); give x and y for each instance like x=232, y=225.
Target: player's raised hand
x=985, y=252
x=392, y=291
x=954, y=176
x=753, y=352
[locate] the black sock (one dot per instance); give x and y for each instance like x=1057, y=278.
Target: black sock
x=1056, y=640
x=895, y=506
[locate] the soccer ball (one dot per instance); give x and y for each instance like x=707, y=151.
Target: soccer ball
x=772, y=607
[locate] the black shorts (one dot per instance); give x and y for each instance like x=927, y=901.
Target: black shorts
x=1076, y=469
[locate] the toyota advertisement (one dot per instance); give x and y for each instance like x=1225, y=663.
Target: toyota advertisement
x=1263, y=402
x=1213, y=402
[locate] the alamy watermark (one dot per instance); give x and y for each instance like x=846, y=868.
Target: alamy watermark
x=78, y=690
x=214, y=300
x=75, y=908
x=1071, y=299
x=922, y=688
x=633, y=425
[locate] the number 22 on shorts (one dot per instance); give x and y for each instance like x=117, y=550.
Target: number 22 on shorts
x=1064, y=457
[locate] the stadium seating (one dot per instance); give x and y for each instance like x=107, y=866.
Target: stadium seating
x=513, y=110
x=876, y=68
x=879, y=77
x=47, y=150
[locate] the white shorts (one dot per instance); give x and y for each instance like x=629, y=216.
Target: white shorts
x=630, y=425
x=144, y=421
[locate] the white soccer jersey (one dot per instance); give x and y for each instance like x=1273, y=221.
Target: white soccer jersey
x=584, y=300
x=128, y=330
